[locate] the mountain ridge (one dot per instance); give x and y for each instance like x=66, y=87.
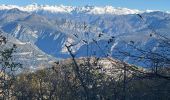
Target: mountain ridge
x=73, y=9
x=50, y=32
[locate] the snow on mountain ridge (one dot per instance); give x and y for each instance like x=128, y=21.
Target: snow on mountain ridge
x=72, y=9
x=40, y=25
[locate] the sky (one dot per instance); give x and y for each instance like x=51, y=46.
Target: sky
x=163, y=5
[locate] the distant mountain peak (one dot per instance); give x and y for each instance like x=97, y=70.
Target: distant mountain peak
x=88, y=9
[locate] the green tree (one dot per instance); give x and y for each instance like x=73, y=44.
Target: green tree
x=8, y=67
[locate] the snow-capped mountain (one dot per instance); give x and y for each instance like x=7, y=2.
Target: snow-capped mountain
x=94, y=31
x=70, y=9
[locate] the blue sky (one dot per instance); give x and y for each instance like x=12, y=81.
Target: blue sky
x=133, y=4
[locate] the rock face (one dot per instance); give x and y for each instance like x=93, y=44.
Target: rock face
x=94, y=31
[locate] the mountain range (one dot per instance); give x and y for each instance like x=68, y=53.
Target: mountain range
x=42, y=31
